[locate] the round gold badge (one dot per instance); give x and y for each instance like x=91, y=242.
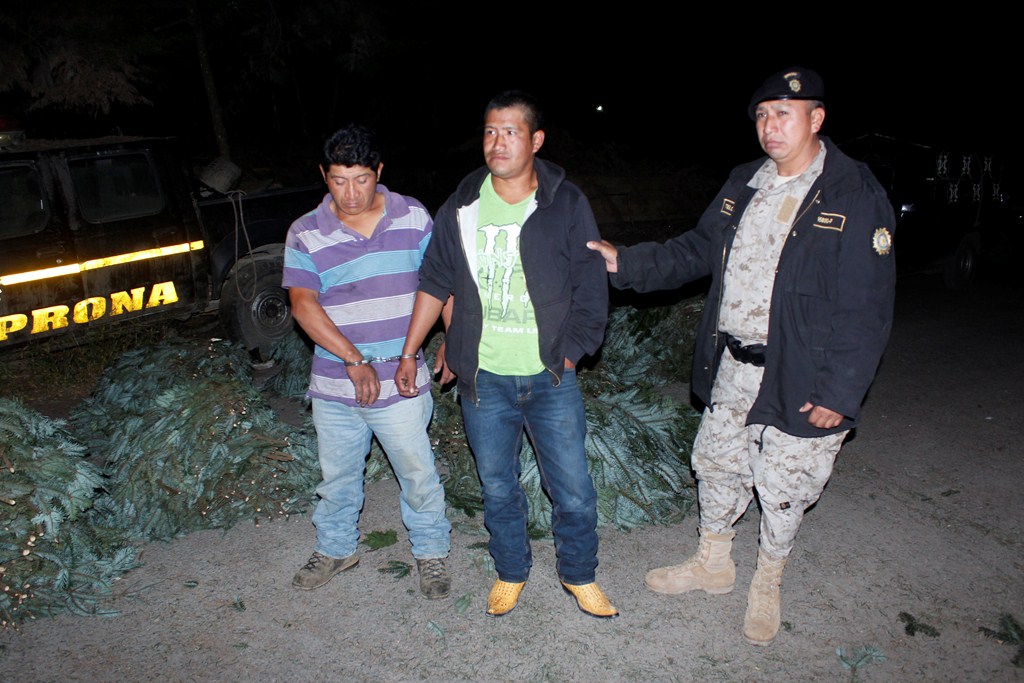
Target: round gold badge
x=882, y=241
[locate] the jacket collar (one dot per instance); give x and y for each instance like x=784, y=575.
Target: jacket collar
x=840, y=175
x=549, y=178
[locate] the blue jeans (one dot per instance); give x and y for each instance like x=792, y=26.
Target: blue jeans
x=343, y=434
x=553, y=418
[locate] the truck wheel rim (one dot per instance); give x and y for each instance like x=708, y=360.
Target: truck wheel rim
x=270, y=312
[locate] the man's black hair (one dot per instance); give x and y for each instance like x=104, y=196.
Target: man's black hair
x=525, y=101
x=353, y=145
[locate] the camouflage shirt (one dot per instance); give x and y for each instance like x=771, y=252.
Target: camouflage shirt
x=750, y=273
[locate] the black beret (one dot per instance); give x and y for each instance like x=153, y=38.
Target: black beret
x=795, y=83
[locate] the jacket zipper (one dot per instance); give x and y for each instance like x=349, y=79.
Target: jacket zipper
x=465, y=259
x=792, y=227
x=718, y=308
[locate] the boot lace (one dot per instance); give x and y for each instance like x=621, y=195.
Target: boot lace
x=433, y=568
x=314, y=560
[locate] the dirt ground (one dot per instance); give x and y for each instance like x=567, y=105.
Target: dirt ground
x=923, y=516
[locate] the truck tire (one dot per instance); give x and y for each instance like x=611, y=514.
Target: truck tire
x=253, y=306
x=962, y=265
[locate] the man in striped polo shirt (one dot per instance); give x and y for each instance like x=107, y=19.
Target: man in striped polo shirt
x=351, y=268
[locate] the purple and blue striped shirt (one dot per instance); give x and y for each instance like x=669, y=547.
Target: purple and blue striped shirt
x=367, y=287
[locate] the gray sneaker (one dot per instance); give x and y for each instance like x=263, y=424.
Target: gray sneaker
x=434, y=580
x=320, y=569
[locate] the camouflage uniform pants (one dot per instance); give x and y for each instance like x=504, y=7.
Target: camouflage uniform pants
x=733, y=460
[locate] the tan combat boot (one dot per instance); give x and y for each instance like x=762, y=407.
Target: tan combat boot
x=711, y=568
x=761, y=624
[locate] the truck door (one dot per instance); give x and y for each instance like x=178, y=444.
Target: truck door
x=38, y=277
x=135, y=240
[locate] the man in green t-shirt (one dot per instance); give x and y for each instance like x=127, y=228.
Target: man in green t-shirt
x=530, y=301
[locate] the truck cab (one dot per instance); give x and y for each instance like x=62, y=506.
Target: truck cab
x=95, y=232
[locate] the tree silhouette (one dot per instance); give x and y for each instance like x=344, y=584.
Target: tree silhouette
x=73, y=57
x=256, y=66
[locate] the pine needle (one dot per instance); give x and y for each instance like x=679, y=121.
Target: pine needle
x=462, y=604
x=375, y=540
x=913, y=626
x=485, y=563
x=53, y=556
x=1010, y=632
x=397, y=569
x=860, y=657
x=190, y=444
x=433, y=626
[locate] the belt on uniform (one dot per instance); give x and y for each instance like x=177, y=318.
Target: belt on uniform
x=750, y=353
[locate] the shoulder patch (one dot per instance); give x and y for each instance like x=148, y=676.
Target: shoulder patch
x=830, y=221
x=728, y=206
x=881, y=242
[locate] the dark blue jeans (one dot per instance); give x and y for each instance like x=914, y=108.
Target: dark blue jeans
x=553, y=418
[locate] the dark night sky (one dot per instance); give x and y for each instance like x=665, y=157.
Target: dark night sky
x=678, y=88
x=672, y=86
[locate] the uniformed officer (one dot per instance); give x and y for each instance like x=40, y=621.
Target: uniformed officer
x=799, y=248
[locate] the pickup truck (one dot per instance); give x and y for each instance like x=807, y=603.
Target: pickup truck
x=952, y=206
x=96, y=232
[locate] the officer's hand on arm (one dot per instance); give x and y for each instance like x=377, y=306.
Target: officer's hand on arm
x=364, y=377
x=821, y=417
x=609, y=252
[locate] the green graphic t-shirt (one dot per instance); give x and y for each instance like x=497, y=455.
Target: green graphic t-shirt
x=509, y=344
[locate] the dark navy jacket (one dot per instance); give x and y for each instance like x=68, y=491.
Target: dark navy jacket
x=567, y=282
x=831, y=306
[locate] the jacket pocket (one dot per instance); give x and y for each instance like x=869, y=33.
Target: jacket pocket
x=810, y=294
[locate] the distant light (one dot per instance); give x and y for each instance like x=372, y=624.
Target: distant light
x=600, y=107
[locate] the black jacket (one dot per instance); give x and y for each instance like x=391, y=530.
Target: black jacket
x=832, y=302
x=566, y=281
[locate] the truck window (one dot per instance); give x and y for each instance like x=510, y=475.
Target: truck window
x=114, y=188
x=23, y=210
